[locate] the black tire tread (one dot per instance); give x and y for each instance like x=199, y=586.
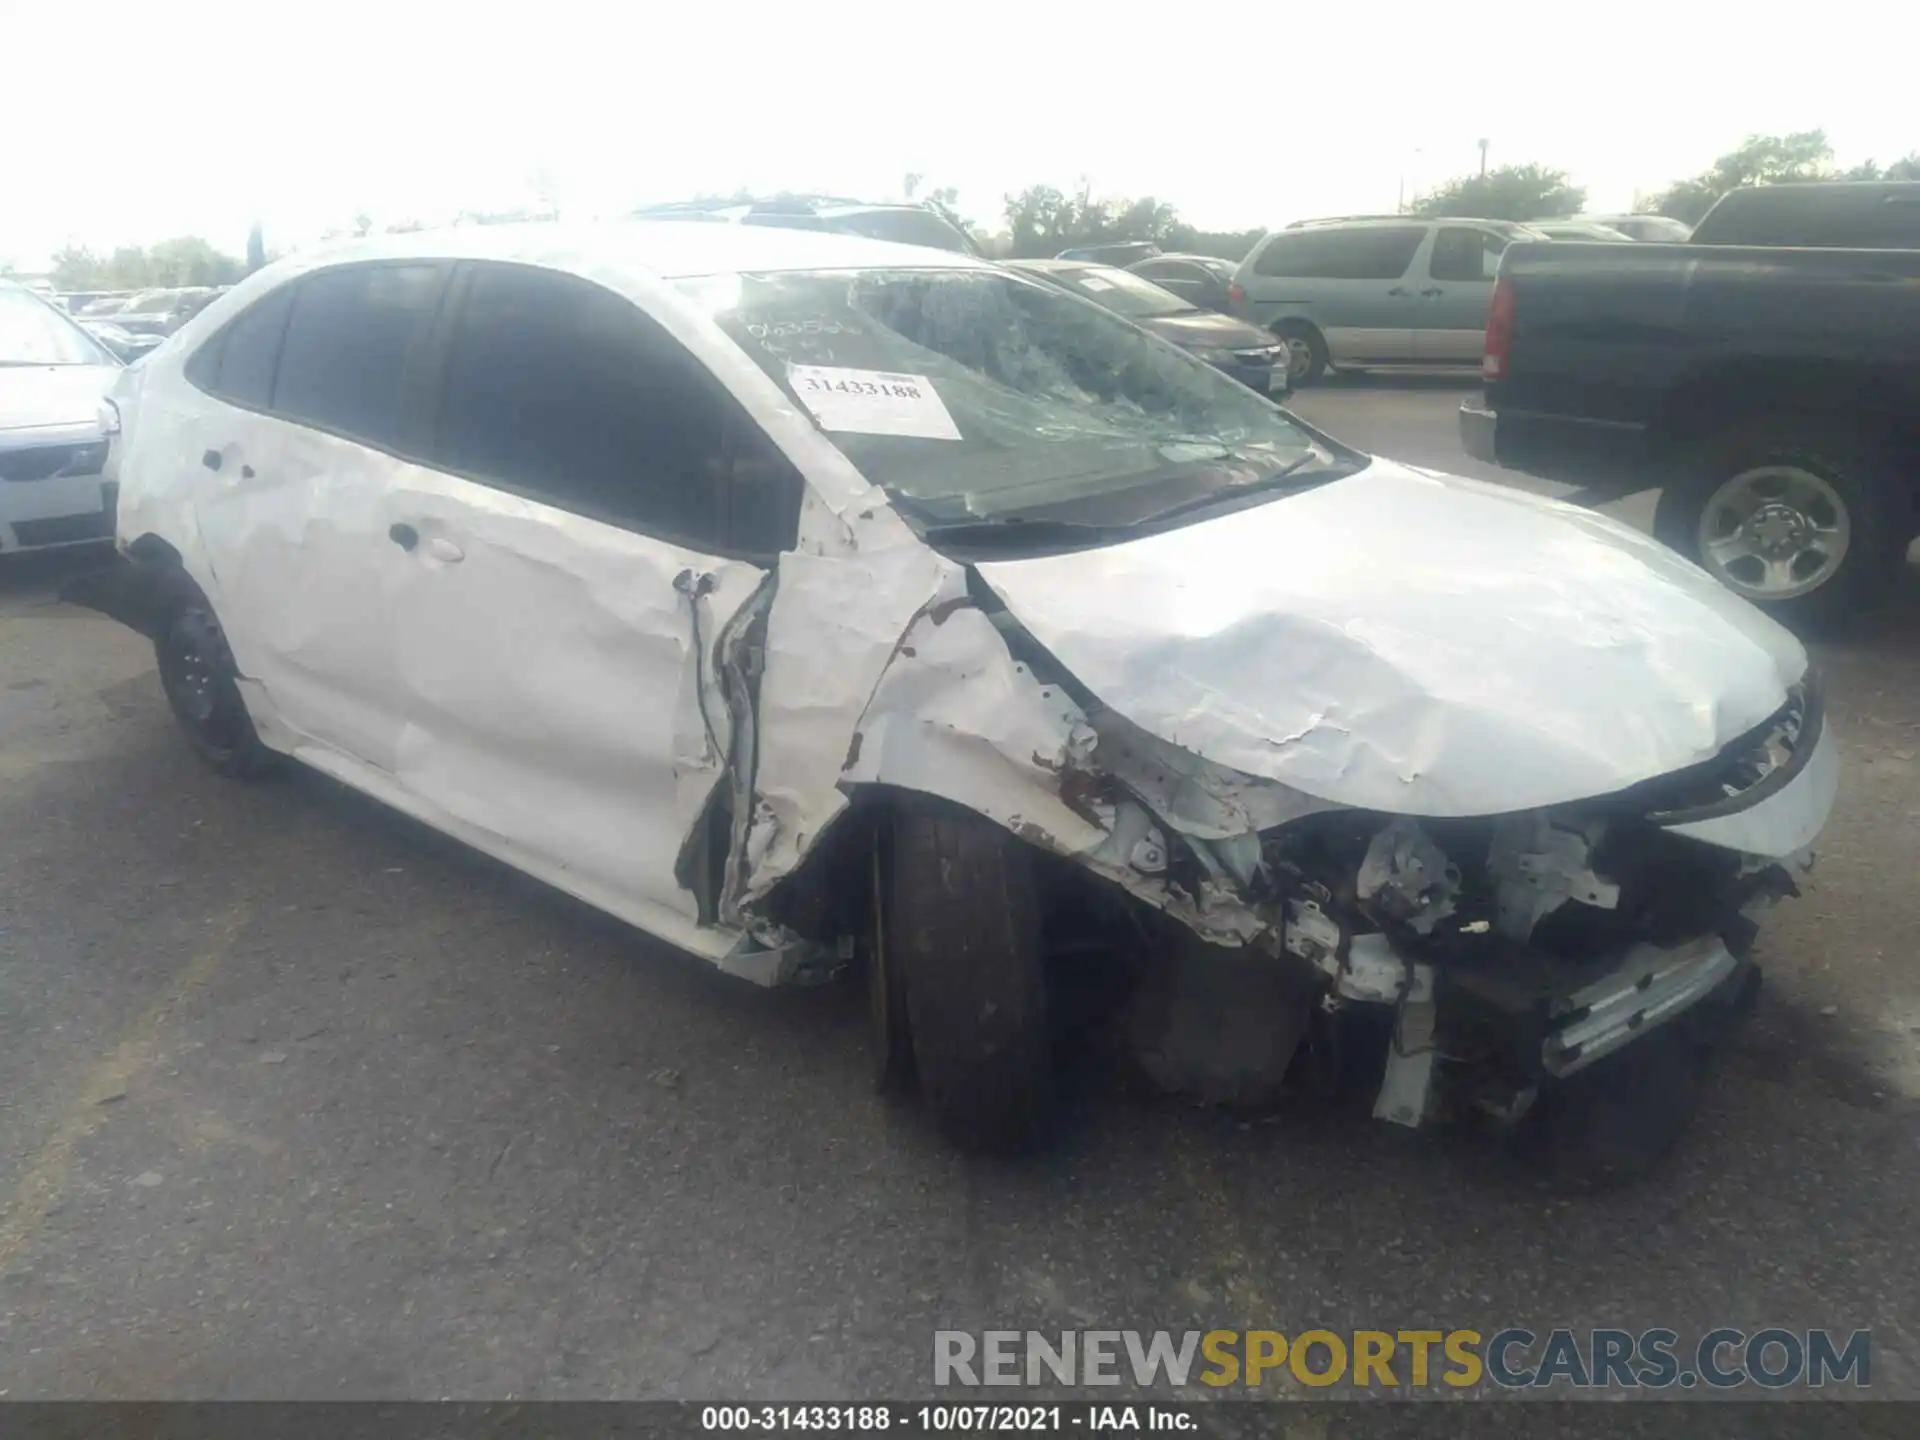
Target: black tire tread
x=246, y=758
x=965, y=937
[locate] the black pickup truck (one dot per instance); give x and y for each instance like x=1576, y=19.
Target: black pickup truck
x=1764, y=379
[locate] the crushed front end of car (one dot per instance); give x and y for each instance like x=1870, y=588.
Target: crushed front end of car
x=1565, y=973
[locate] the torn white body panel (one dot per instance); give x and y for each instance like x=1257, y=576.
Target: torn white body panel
x=1787, y=821
x=836, y=623
x=1411, y=644
x=957, y=716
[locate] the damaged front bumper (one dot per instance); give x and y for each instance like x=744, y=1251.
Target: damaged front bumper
x=1649, y=987
x=1510, y=954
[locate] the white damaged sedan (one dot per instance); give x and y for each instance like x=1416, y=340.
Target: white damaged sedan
x=813, y=602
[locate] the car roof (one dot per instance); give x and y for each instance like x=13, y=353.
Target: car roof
x=671, y=249
x=1056, y=263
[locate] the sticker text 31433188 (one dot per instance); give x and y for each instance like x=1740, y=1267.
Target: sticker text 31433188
x=872, y=402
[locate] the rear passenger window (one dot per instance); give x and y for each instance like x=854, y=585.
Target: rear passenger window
x=238, y=364
x=1460, y=253
x=1300, y=255
x=1370, y=253
x=563, y=390
x=353, y=339
x=1379, y=254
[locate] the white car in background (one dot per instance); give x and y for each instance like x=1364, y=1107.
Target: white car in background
x=810, y=600
x=54, y=430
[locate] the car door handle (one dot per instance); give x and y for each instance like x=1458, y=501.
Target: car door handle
x=445, y=551
x=405, y=536
x=211, y=459
x=1399, y=290
x=1429, y=294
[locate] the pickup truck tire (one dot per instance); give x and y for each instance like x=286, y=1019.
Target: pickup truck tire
x=197, y=675
x=1306, y=352
x=1830, y=531
x=962, y=939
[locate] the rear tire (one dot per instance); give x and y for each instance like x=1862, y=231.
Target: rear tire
x=1842, y=492
x=198, y=676
x=962, y=939
x=1307, y=352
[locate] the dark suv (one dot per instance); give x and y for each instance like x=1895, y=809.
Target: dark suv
x=902, y=224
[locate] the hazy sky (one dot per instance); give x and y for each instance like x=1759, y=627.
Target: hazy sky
x=128, y=123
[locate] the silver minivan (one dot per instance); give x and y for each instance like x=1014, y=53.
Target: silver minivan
x=1393, y=291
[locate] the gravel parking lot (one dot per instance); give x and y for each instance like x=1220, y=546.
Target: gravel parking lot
x=297, y=1099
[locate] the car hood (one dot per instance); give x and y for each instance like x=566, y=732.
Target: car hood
x=1204, y=327
x=47, y=395
x=1415, y=643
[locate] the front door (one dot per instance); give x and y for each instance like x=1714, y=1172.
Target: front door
x=1450, y=321
x=563, y=575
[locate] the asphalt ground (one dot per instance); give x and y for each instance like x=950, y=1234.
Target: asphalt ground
x=299, y=1100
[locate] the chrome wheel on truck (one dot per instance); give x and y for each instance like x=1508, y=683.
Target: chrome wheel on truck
x=1804, y=516
x=1775, y=532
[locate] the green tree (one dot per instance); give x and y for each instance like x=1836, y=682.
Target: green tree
x=1907, y=167
x=190, y=260
x=1043, y=220
x=1511, y=192
x=1759, y=160
x=75, y=267
x=184, y=260
x=1227, y=244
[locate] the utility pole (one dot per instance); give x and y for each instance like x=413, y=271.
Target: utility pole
x=1483, y=159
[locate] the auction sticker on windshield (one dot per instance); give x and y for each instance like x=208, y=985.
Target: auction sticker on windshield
x=873, y=402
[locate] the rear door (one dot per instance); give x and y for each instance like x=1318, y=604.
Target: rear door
x=1450, y=325
x=596, y=512
x=317, y=387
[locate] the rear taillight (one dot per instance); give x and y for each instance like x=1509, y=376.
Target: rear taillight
x=1236, y=293
x=1499, y=332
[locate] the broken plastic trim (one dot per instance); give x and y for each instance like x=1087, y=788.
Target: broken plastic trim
x=1807, y=698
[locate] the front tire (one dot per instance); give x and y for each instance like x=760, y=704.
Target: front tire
x=962, y=939
x=198, y=676
x=1611, y=1124
x=1803, y=518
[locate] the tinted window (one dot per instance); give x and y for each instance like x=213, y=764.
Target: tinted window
x=238, y=363
x=562, y=389
x=1460, y=253
x=1382, y=254
x=1374, y=253
x=351, y=341
x=1869, y=218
